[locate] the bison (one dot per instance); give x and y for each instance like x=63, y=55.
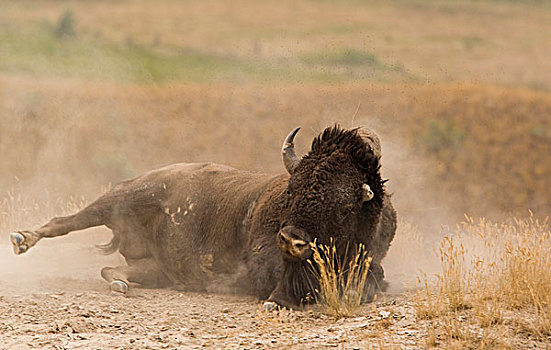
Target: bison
x=191, y=225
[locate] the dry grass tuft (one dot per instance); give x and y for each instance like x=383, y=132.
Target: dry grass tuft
x=18, y=210
x=494, y=276
x=342, y=285
x=525, y=278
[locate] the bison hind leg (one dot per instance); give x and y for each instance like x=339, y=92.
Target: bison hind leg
x=143, y=273
x=23, y=240
x=117, y=279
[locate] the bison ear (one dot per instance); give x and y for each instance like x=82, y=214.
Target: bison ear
x=367, y=193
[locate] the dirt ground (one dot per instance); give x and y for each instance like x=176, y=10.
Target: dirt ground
x=69, y=318
x=53, y=297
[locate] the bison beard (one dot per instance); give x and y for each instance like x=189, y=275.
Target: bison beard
x=193, y=225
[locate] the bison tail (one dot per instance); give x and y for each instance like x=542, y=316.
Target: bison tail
x=111, y=247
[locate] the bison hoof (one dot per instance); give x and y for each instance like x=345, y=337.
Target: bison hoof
x=270, y=306
x=17, y=240
x=119, y=287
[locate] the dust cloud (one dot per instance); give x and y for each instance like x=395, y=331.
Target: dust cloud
x=65, y=142
x=40, y=179
x=55, y=265
x=61, y=180
x=424, y=213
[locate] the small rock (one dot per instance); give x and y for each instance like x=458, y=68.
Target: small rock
x=269, y=306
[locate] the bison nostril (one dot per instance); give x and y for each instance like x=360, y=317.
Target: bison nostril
x=282, y=237
x=300, y=244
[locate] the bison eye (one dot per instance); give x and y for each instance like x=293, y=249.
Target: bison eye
x=289, y=186
x=288, y=191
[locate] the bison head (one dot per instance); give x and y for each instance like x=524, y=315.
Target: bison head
x=335, y=192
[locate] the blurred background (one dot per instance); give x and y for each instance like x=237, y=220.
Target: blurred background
x=93, y=92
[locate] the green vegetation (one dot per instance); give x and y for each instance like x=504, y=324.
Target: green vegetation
x=442, y=135
x=39, y=53
x=347, y=57
x=66, y=25
x=251, y=42
x=81, y=108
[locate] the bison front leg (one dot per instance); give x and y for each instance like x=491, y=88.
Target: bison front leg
x=296, y=287
x=375, y=283
x=279, y=298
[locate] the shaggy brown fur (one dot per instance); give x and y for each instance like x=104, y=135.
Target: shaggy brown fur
x=196, y=226
x=322, y=199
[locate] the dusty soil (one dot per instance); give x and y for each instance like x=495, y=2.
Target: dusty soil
x=164, y=319
x=53, y=298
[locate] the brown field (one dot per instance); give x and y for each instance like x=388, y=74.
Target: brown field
x=458, y=92
x=491, y=165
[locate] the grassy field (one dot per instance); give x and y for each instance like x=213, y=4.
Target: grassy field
x=494, y=284
x=92, y=92
x=463, y=149
x=496, y=42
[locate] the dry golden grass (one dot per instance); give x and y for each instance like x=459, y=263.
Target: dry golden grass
x=495, y=281
x=342, y=282
x=485, y=148
x=17, y=209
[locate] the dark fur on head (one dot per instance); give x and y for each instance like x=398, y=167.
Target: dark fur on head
x=348, y=142
x=326, y=188
x=324, y=201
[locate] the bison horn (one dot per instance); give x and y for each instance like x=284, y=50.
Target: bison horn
x=290, y=159
x=367, y=193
